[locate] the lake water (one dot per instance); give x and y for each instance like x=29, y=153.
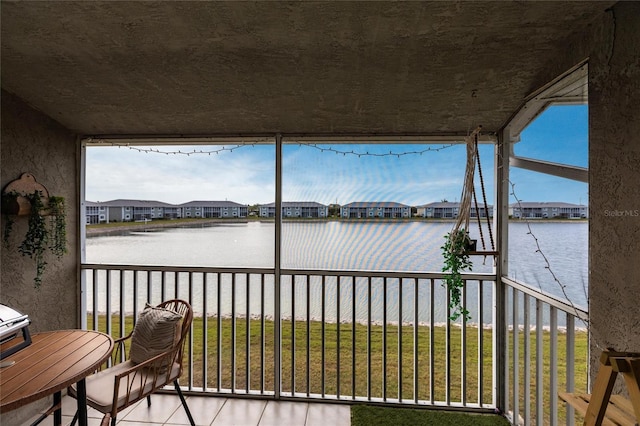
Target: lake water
x=381, y=246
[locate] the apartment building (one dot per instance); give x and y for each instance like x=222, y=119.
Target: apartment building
x=213, y=209
x=123, y=210
x=371, y=210
x=451, y=210
x=296, y=209
x=548, y=210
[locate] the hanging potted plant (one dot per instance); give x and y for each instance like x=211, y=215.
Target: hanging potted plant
x=455, y=252
x=46, y=221
x=458, y=244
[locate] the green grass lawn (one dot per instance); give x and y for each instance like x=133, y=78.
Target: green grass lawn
x=341, y=365
x=364, y=415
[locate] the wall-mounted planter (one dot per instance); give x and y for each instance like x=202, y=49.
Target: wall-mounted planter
x=26, y=197
x=14, y=195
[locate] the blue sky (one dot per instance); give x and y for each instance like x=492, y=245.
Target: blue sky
x=409, y=174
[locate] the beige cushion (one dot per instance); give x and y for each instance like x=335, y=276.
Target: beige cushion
x=156, y=331
x=100, y=385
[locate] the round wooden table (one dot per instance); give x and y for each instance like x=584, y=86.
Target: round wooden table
x=52, y=362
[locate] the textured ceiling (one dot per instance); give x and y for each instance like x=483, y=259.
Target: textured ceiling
x=292, y=67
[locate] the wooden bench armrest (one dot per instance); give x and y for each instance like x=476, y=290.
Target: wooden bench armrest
x=600, y=407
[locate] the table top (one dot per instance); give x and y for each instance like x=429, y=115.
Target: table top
x=53, y=361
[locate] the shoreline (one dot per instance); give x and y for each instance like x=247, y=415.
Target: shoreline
x=114, y=229
x=287, y=318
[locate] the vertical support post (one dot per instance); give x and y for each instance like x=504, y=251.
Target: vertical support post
x=501, y=225
x=515, y=299
x=82, y=237
x=277, y=326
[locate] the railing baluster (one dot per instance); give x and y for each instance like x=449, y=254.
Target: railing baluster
x=219, y=334
x=480, y=365
x=95, y=298
x=553, y=368
x=369, y=338
x=384, y=339
x=322, y=338
x=463, y=344
x=338, y=303
x=539, y=364
x=416, y=336
x=516, y=357
x=353, y=338
x=163, y=286
x=176, y=288
x=108, y=313
x=233, y=332
x=399, y=340
x=149, y=287
x=527, y=360
x=447, y=358
x=432, y=351
x=248, y=333
x=308, y=372
x=293, y=335
x=507, y=368
x=262, y=336
x=135, y=297
x=205, y=328
x=190, y=353
x=570, y=364
x=122, y=307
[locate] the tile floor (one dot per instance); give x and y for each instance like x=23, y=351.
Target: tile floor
x=218, y=411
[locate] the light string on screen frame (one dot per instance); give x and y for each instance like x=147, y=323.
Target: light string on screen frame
x=181, y=151
x=315, y=146
x=374, y=154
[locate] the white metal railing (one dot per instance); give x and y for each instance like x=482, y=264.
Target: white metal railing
x=380, y=337
x=546, y=351
x=344, y=335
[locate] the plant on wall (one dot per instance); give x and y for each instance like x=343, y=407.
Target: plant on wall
x=46, y=221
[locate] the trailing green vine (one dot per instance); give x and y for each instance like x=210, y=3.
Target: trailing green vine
x=8, y=199
x=58, y=244
x=456, y=259
x=37, y=238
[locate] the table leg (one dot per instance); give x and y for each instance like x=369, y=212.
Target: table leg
x=82, y=403
x=57, y=414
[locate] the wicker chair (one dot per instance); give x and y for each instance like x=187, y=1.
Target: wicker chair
x=124, y=383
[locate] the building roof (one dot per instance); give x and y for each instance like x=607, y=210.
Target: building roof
x=447, y=204
x=543, y=204
x=133, y=203
x=211, y=204
x=374, y=204
x=296, y=204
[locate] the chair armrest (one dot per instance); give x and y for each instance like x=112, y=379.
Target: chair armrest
x=119, y=349
x=144, y=378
